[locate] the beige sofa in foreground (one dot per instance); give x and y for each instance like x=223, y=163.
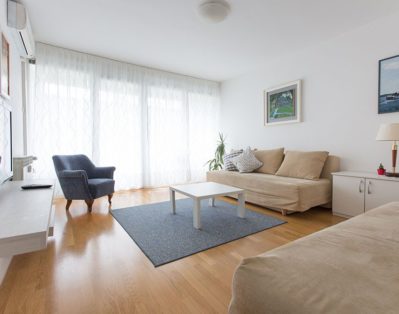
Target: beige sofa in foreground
x=351, y=267
x=282, y=193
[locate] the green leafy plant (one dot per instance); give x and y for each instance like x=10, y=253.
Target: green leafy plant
x=216, y=163
x=381, y=166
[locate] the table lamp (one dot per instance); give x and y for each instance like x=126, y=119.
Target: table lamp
x=390, y=132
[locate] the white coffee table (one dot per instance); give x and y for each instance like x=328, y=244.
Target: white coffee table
x=200, y=191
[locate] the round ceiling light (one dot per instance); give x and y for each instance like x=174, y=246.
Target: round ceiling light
x=214, y=11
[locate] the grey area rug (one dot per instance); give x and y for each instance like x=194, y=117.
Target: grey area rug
x=164, y=237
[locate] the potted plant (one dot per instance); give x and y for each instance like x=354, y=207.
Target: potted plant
x=216, y=163
x=381, y=169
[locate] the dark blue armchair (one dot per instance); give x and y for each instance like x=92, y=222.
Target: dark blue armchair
x=80, y=179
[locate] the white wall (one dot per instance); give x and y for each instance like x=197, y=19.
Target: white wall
x=340, y=87
x=16, y=103
x=15, y=83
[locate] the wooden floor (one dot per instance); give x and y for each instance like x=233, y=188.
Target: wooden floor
x=91, y=265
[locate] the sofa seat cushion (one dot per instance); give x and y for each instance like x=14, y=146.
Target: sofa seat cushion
x=278, y=192
x=100, y=187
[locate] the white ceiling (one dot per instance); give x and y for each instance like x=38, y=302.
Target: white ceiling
x=168, y=35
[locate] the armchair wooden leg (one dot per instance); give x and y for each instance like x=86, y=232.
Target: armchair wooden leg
x=284, y=212
x=89, y=205
x=110, y=198
x=68, y=204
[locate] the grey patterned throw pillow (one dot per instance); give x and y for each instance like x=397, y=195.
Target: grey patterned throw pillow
x=228, y=165
x=246, y=162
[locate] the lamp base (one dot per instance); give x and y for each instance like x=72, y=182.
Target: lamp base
x=392, y=174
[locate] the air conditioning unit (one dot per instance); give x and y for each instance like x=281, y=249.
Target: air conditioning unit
x=18, y=21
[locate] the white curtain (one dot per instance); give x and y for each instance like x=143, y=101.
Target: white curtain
x=156, y=127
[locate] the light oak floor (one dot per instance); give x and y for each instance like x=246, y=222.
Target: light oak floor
x=91, y=265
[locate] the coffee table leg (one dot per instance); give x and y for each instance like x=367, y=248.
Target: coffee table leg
x=212, y=202
x=196, y=214
x=173, y=200
x=241, y=205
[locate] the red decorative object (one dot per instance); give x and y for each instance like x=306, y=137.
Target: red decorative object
x=380, y=171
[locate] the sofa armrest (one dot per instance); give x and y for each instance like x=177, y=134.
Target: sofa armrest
x=74, y=184
x=104, y=172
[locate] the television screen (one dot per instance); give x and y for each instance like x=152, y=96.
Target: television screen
x=5, y=143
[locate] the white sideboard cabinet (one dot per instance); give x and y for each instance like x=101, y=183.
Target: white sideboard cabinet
x=356, y=192
x=26, y=219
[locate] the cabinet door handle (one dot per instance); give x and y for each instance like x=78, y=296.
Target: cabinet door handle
x=360, y=186
x=368, y=188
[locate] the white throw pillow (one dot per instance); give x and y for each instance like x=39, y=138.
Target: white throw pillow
x=228, y=165
x=246, y=162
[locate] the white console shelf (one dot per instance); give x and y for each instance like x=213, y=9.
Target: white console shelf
x=357, y=192
x=25, y=218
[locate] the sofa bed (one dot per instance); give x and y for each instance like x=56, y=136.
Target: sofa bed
x=290, y=182
x=351, y=267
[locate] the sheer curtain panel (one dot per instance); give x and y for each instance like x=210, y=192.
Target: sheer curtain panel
x=157, y=128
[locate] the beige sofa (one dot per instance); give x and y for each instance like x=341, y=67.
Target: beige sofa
x=282, y=193
x=351, y=267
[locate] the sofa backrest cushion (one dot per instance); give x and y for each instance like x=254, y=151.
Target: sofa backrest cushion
x=304, y=165
x=271, y=158
x=73, y=162
x=331, y=165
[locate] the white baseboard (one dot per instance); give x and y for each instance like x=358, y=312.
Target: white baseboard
x=4, y=263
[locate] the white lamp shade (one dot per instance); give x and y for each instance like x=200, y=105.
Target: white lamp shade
x=388, y=132
x=214, y=11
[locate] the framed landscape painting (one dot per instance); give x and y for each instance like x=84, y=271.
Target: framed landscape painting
x=283, y=104
x=388, y=85
x=5, y=68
